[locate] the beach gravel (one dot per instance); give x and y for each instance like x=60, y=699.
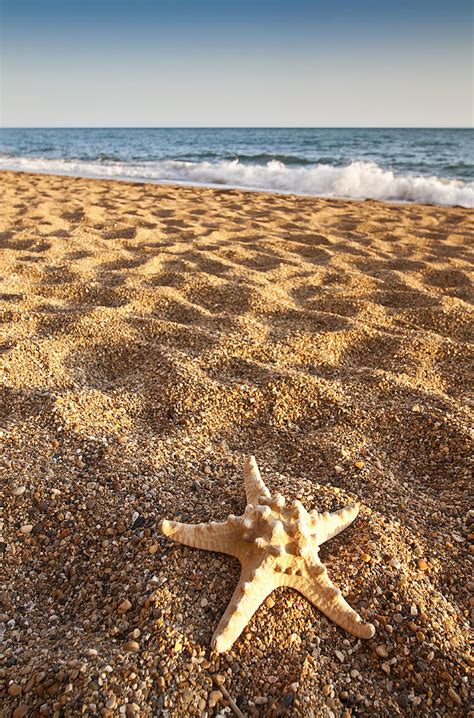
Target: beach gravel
x=153, y=336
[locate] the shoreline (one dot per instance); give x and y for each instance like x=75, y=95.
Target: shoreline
x=224, y=187
x=241, y=188
x=156, y=335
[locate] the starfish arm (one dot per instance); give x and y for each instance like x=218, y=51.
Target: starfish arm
x=220, y=537
x=255, y=584
x=329, y=525
x=254, y=486
x=318, y=588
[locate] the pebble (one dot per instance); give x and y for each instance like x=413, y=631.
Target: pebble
x=454, y=696
x=26, y=528
x=294, y=638
x=204, y=602
x=359, y=464
x=111, y=701
x=153, y=549
x=260, y=700
x=422, y=565
x=21, y=711
x=269, y=603
x=447, y=677
x=18, y=490
x=381, y=651
x=14, y=690
x=214, y=698
x=124, y=606
x=395, y=563
x=132, y=646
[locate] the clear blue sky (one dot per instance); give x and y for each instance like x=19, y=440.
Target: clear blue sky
x=242, y=63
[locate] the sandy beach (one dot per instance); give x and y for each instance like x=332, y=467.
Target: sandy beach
x=153, y=337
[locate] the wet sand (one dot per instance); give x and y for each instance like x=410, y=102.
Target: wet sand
x=152, y=336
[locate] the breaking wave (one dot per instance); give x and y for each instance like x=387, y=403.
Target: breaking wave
x=357, y=180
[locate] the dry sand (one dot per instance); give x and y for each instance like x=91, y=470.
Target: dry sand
x=152, y=336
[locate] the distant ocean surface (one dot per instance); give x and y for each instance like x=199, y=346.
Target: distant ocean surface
x=409, y=165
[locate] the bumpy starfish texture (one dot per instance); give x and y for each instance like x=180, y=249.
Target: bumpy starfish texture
x=277, y=544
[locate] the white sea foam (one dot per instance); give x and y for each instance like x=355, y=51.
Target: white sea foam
x=358, y=180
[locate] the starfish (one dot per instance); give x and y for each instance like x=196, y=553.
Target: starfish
x=277, y=545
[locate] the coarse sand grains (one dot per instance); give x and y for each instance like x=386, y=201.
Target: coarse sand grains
x=152, y=336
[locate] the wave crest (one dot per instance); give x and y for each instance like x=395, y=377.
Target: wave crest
x=358, y=180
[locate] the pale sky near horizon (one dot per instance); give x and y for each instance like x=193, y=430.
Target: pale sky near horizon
x=245, y=63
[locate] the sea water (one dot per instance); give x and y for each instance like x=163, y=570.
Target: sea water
x=409, y=165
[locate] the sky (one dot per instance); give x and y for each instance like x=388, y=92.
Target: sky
x=277, y=63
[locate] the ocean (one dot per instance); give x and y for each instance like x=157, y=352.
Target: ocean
x=433, y=166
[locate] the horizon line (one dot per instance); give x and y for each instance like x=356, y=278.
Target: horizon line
x=237, y=127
